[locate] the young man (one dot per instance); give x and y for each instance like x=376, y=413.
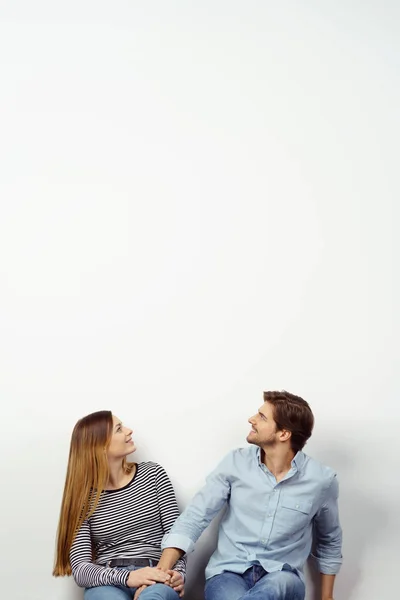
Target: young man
x=276, y=498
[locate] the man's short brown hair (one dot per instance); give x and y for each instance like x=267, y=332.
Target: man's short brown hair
x=293, y=414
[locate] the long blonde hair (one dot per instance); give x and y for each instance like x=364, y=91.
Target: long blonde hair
x=87, y=477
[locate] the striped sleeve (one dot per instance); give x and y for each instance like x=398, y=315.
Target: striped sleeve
x=169, y=510
x=84, y=571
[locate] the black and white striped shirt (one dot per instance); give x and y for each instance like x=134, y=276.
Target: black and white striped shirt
x=127, y=523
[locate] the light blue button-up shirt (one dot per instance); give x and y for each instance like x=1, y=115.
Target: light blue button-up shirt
x=265, y=522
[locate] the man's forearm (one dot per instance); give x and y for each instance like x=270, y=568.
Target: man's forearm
x=327, y=583
x=169, y=557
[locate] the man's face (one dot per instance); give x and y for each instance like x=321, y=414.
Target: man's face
x=263, y=427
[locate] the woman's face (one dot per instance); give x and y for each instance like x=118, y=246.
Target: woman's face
x=121, y=443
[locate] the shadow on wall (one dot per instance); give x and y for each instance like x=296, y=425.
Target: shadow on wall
x=363, y=522
x=197, y=561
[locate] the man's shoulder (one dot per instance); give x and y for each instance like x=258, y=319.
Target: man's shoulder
x=240, y=456
x=314, y=468
x=245, y=453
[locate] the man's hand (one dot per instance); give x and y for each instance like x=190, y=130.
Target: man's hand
x=176, y=582
x=147, y=576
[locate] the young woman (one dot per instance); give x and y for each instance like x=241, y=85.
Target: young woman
x=114, y=515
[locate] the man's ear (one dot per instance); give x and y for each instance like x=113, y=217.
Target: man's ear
x=285, y=435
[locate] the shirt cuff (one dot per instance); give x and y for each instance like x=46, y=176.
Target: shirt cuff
x=175, y=540
x=124, y=578
x=178, y=570
x=328, y=566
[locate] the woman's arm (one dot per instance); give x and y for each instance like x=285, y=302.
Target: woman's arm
x=85, y=572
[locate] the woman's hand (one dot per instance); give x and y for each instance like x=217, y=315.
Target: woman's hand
x=147, y=576
x=176, y=582
x=139, y=591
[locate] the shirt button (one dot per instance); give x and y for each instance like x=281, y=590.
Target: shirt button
x=270, y=515
x=297, y=506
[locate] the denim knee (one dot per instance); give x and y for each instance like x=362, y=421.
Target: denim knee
x=159, y=591
x=279, y=585
x=107, y=592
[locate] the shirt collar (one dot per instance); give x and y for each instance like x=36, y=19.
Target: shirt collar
x=297, y=462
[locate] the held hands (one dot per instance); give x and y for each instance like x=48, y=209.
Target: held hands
x=176, y=582
x=147, y=576
x=142, y=578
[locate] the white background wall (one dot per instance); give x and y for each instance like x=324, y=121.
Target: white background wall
x=199, y=201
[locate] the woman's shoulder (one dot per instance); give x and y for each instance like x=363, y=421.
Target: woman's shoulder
x=149, y=466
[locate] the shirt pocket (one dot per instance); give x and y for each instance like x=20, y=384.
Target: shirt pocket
x=293, y=516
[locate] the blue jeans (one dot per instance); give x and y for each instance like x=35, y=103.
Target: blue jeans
x=256, y=584
x=158, y=591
